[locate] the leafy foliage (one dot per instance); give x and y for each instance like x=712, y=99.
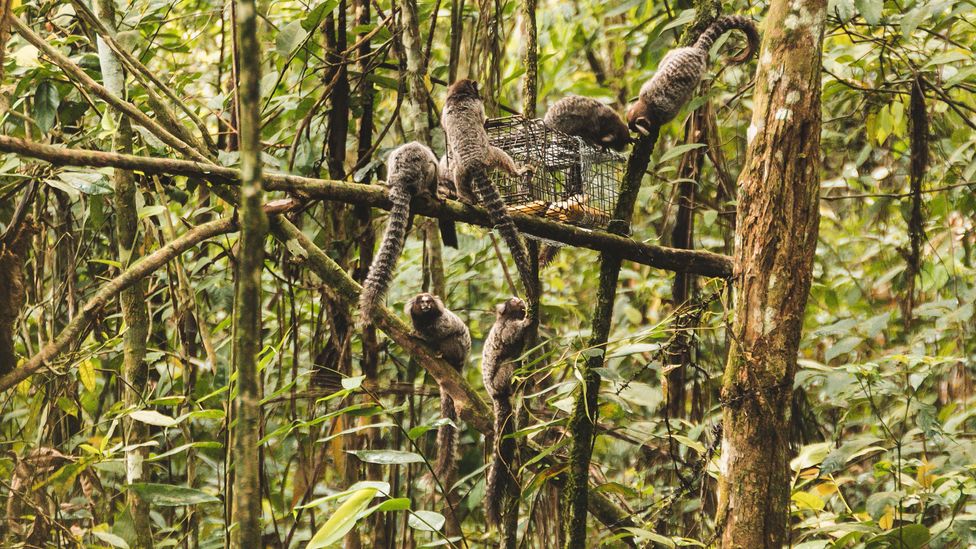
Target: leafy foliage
x=883, y=411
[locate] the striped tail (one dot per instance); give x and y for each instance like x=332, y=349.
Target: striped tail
x=381, y=271
x=447, y=437
x=723, y=25
x=492, y=201
x=501, y=482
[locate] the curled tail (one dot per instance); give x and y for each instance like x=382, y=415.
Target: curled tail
x=381, y=271
x=723, y=25
x=501, y=482
x=492, y=201
x=447, y=437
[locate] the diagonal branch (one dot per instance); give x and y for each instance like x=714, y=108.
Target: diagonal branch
x=80, y=323
x=82, y=77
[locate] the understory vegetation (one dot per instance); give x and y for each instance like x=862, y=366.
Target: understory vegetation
x=124, y=437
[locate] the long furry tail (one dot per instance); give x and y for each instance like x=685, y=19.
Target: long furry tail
x=501, y=481
x=492, y=201
x=447, y=441
x=723, y=25
x=381, y=271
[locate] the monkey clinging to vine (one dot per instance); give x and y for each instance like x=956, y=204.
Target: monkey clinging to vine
x=501, y=348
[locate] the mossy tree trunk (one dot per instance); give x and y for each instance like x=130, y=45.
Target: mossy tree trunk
x=132, y=300
x=247, y=300
x=775, y=241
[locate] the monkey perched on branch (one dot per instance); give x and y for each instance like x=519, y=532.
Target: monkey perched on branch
x=411, y=170
x=446, y=332
x=471, y=159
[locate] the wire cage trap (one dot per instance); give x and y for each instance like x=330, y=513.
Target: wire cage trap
x=573, y=182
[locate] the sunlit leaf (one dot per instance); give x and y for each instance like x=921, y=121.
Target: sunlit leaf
x=342, y=520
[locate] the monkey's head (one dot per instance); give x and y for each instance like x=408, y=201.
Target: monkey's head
x=638, y=118
x=424, y=308
x=512, y=308
x=464, y=88
x=617, y=136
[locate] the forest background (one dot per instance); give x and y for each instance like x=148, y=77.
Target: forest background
x=123, y=435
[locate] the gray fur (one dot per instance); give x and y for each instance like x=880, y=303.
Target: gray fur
x=411, y=170
x=446, y=332
x=472, y=156
x=503, y=345
x=589, y=119
x=679, y=73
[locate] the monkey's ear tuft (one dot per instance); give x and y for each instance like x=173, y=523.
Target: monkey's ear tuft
x=643, y=125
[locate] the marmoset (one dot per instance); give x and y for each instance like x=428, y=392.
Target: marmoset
x=471, y=158
x=502, y=346
x=411, y=170
x=589, y=119
x=446, y=332
x=679, y=72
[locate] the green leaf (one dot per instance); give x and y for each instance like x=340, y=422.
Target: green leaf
x=168, y=495
x=318, y=13
x=870, y=10
x=842, y=347
x=184, y=447
x=395, y=504
x=86, y=374
x=111, y=539
x=679, y=150
x=388, y=457
x=811, y=455
x=290, y=37
x=342, y=520
x=911, y=536
x=844, y=9
x=46, y=101
x=426, y=521
x=90, y=183
x=806, y=500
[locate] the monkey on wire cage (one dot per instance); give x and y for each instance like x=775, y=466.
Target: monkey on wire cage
x=572, y=182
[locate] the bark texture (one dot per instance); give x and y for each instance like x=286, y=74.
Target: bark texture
x=247, y=301
x=775, y=242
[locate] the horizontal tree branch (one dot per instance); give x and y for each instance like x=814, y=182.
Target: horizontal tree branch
x=672, y=259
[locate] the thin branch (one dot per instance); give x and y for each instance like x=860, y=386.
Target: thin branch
x=82, y=77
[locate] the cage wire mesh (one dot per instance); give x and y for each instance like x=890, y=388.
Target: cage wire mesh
x=573, y=182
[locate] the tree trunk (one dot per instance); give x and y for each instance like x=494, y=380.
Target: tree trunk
x=247, y=301
x=132, y=300
x=415, y=123
x=776, y=238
